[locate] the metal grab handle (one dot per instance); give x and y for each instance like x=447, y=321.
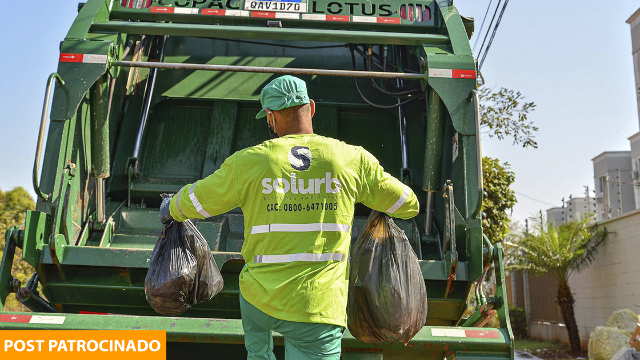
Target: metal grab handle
x=270, y=70
x=43, y=122
x=476, y=102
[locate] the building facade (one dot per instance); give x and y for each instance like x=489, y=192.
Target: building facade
x=635, y=165
x=613, y=178
x=555, y=215
x=574, y=209
x=634, y=22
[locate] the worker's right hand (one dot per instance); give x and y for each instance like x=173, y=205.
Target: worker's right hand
x=165, y=214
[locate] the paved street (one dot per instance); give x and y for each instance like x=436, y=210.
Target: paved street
x=520, y=355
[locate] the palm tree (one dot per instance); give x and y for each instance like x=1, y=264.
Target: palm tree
x=561, y=251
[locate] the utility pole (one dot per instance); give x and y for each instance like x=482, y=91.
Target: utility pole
x=586, y=194
x=607, y=197
x=570, y=207
x=619, y=193
x=525, y=283
x=595, y=202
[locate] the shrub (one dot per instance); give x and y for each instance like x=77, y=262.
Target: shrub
x=518, y=319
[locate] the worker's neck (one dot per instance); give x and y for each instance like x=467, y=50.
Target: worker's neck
x=300, y=132
x=296, y=129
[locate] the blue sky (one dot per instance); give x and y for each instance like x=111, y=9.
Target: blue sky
x=572, y=58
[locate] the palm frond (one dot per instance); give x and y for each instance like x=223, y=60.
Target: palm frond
x=597, y=238
x=528, y=267
x=560, y=249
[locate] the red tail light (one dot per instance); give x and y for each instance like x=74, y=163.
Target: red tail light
x=136, y=4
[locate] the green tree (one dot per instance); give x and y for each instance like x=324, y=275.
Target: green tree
x=504, y=114
x=13, y=206
x=560, y=251
x=499, y=199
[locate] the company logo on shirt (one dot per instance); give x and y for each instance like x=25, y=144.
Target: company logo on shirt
x=300, y=157
x=293, y=185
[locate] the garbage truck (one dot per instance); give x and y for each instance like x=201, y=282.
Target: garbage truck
x=150, y=95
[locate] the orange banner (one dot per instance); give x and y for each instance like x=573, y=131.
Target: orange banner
x=83, y=344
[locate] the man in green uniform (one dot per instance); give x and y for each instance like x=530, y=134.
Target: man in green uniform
x=297, y=193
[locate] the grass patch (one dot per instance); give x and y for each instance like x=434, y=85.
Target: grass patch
x=532, y=345
x=547, y=350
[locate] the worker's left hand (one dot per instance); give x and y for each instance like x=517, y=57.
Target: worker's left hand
x=165, y=214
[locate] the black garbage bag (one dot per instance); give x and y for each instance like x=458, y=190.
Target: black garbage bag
x=172, y=272
x=387, y=295
x=209, y=280
x=182, y=271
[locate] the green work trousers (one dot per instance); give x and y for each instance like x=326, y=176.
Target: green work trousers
x=301, y=340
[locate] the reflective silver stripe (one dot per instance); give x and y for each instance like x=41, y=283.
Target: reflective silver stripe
x=261, y=229
x=178, y=201
x=196, y=203
x=274, y=259
x=400, y=202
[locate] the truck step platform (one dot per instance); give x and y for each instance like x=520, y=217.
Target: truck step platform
x=432, y=342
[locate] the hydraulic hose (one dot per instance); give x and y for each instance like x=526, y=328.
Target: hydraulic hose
x=413, y=89
x=353, y=62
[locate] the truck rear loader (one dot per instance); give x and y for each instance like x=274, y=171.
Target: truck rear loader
x=150, y=95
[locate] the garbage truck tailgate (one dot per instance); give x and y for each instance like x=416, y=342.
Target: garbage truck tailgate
x=204, y=337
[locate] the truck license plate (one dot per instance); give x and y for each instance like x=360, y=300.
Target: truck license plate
x=297, y=6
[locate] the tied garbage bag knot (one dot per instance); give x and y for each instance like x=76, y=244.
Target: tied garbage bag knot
x=182, y=271
x=387, y=294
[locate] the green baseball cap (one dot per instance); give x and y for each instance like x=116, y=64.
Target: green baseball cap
x=281, y=93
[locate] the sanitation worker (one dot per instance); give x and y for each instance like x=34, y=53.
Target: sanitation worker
x=297, y=193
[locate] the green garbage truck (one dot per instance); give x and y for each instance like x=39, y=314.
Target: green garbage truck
x=152, y=94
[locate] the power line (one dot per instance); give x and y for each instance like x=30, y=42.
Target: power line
x=493, y=35
x=532, y=198
x=486, y=35
x=482, y=26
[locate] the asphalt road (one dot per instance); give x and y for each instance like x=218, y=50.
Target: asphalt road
x=520, y=355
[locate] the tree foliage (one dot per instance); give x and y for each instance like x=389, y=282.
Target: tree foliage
x=500, y=199
x=560, y=251
x=13, y=206
x=504, y=114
